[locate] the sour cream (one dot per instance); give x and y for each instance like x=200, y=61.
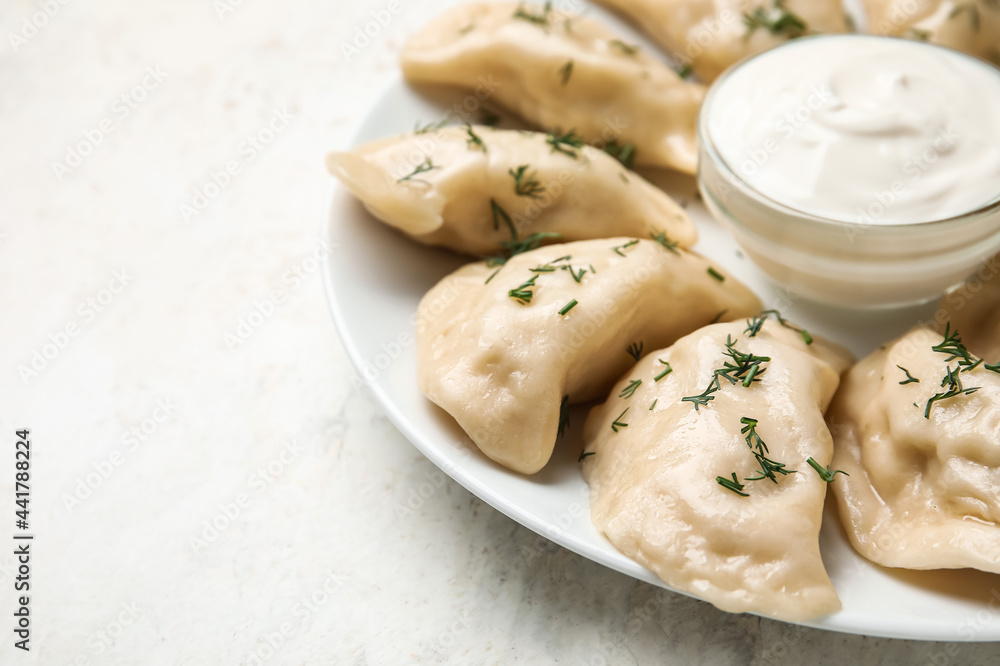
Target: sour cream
x=859, y=129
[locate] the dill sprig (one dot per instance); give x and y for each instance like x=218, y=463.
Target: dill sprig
x=563, y=415
x=754, y=325
x=910, y=379
x=666, y=371
x=618, y=248
x=629, y=390
x=768, y=467
x=953, y=380
x=567, y=144
x=778, y=21
x=716, y=274
x=430, y=127
x=500, y=214
x=627, y=49
x=826, y=474
x=569, y=306
x=428, y=165
x=967, y=7
x=654, y=404
x=538, y=19
x=566, y=71
x=625, y=153
x=732, y=484
x=584, y=455
x=685, y=71
x=474, y=141
x=635, y=350
x=706, y=396
x=522, y=293
x=526, y=184
x=514, y=247
x=662, y=238
x=953, y=346
x=745, y=368
x=617, y=423
x=488, y=118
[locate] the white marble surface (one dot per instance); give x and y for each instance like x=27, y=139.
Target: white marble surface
x=315, y=562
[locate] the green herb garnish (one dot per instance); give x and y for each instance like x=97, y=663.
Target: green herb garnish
x=910, y=379
x=768, y=467
x=953, y=381
x=706, y=396
x=563, y=415
x=584, y=455
x=661, y=238
x=665, y=372
x=523, y=293
x=618, y=248
x=629, y=390
x=430, y=127
x=569, y=306
x=623, y=153
x=474, y=140
x=500, y=214
x=716, y=274
x=627, y=49
x=526, y=184
x=754, y=325
x=778, y=21
x=635, y=350
x=733, y=484
x=538, y=19
x=654, y=404
x=973, y=11
x=567, y=144
x=423, y=168
x=566, y=71
x=617, y=423
x=825, y=474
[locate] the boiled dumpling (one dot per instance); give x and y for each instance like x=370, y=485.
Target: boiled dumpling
x=477, y=189
x=970, y=25
x=562, y=72
x=505, y=352
x=711, y=35
x=918, y=430
x=974, y=309
x=705, y=477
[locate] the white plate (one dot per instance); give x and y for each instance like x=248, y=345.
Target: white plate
x=375, y=278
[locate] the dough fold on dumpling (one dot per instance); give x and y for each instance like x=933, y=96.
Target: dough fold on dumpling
x=654, y=488
x=971, y=26
x=924, y=493
x=711, y=35
x=562, y=72
x=563, y=320
x=472, y=188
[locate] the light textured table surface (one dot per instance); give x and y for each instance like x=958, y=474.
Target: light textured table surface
x=207, y=486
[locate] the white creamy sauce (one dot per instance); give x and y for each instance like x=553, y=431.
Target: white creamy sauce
x=863, y=129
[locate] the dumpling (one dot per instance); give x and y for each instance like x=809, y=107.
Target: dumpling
x=917, y=427
x=705, y=477
x=974, y=309
x=477, y=189
x=711, y=35
x=505, y=352
x=562, y=72
x=971, y=26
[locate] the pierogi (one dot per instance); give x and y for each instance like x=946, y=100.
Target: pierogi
x=970, y=25
x=505, y=352
x=711, y=35
x=704, y=466
x=564, y=73
x=477, y=190
x=917, y=427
